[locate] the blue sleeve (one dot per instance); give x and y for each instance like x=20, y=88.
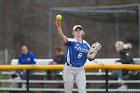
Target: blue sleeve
x=68, y=43
x=20, y=61
x=32, y=61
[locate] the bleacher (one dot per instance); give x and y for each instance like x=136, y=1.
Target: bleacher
x=39, y=80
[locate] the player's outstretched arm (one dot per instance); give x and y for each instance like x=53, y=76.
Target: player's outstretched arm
x=60, y=32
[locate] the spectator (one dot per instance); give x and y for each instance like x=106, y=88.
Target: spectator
x=26, y=57
x=126, y=57
x=59, y=57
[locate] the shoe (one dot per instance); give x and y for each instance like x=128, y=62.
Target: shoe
x=119, y=80
x=23, y=85
x=122, y=87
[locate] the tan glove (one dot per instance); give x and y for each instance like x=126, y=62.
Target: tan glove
x=95, y=47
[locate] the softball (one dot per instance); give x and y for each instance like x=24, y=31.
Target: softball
x=59, y=17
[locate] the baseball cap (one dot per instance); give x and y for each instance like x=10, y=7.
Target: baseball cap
x=77, y=26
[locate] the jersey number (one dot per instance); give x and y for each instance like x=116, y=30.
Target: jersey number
x=79, y=55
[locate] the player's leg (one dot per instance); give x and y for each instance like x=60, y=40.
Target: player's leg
x=119, y=74
x=80, y=79
x=68, y=78
x=24, y=73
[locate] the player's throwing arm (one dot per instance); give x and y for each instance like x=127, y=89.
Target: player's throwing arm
x=58, y=25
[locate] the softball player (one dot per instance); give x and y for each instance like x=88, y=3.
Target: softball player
x=75, y=58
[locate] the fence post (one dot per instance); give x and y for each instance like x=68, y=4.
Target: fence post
x=49, y=74
x=106, y=82
x=27, y=81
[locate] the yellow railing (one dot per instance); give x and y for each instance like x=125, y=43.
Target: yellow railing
x=58, y=67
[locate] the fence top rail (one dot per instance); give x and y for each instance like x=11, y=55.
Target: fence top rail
x=59, y=67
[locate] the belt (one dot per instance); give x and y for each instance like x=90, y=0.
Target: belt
x=72, y=65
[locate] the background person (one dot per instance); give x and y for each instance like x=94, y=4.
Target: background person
x=26, y=57
x=59, y=56
x=126, y=57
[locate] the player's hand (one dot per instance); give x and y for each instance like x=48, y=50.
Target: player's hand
x=58, y=23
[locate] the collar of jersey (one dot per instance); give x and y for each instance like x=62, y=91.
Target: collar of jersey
x=77, y=41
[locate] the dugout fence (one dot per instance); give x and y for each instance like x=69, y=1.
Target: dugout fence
x=105, y=81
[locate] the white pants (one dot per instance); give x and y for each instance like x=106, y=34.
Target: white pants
x=74, y=73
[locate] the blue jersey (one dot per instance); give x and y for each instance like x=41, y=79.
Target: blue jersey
x=27, y=59
x=76, y=53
